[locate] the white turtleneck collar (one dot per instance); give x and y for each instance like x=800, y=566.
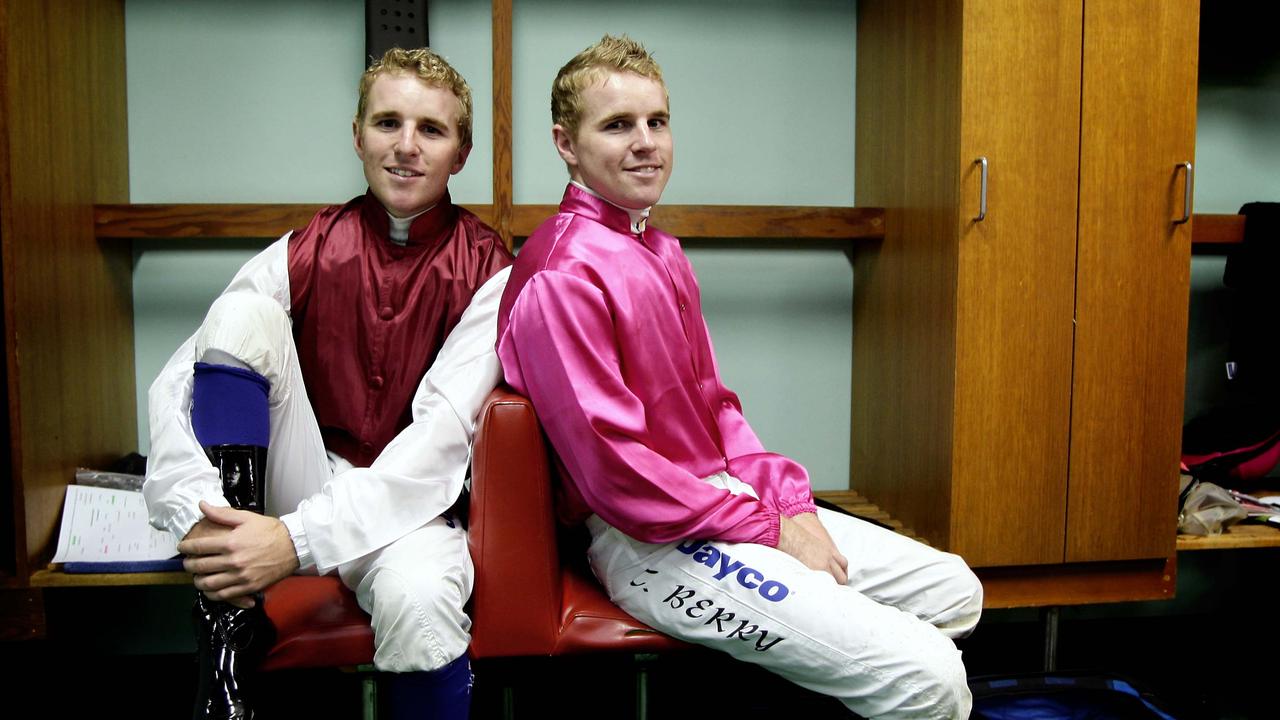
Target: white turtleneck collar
x=638, y=217
x=400, y=227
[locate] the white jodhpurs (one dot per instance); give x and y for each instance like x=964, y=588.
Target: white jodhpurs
x=880, y=643
x=413, y=589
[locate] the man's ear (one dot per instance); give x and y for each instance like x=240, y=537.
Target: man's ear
x=463, y=152
x=356, y=140
x=564, y=145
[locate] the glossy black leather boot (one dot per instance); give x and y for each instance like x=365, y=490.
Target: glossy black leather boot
x=231, y=641
x=243, y=470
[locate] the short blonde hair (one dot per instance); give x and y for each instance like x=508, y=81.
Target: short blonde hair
x=431, y=69
x=611, y=54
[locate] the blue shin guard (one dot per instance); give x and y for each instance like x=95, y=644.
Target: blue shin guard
x=229, y=406
x=443, y=694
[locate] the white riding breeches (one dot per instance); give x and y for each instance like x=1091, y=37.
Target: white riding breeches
x=414, y=588
x=879, y=643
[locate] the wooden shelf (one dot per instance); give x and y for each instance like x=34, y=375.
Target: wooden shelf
x=211, y=220
x=858, y=505
x=1209, y=229
x=1077, y=583
x=1235, y=538
x=1240, y=535
x=1041, y=585
x=203, y=220
x=57, y=578
x=742, y=221
x=257, y=220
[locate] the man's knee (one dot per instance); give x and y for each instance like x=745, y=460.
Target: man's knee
x=418, y=622
x=951, y=688
x=938, y=686
x=251, y=327
x=965, y=609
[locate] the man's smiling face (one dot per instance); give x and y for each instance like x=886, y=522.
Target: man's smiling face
x=623, y=148
x=409, y=143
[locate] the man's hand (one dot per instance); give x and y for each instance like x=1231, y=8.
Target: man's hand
x=804, y=538
x=235, y=553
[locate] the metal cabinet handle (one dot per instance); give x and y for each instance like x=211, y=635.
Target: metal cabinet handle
x=1186, y=192
x=982, y=198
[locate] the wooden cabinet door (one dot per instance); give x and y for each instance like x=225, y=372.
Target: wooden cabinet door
x=1018, y=380
x=1138, y=124
x=1016, y=280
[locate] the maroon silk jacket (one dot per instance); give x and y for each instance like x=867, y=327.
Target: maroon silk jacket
x=369, y=316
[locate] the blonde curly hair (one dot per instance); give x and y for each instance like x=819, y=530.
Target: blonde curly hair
x=428, y=67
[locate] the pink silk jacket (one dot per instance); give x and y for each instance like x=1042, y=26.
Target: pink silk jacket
x=603, y=330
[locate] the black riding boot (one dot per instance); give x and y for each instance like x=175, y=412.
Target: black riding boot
x=231, y=640
x=243, y=470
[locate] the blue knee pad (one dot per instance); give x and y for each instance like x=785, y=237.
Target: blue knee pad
x=229, y=406
x=443, y=694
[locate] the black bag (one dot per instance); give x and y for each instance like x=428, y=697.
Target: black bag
x=1239, y=440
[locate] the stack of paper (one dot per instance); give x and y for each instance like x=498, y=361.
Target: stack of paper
x=106, y=530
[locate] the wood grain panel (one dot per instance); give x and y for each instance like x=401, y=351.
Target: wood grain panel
x=860, y=506
x=526, y=218
x=54, y=577
x=685, y=221
x=1212, y=229
x=1077, y=584
x=906, y=149
x=503, y=195
x=741, y=221
x=1138, y=120
x=207, y=220
x=69, y=337
x=15, y=562
x=12, y=522
x=1236, y=537
x=1015, y=296
x=200, y=220
x=269, y=220
x=764, y=221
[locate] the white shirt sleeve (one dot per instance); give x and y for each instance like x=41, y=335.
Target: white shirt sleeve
x=179, y=474
x=420, y=473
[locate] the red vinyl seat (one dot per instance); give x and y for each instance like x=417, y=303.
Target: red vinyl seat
x=533, y=596
x=318, y=624
x=528, y=599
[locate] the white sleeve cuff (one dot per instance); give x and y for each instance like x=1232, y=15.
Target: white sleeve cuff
x=185, y=516
x=298, y=534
